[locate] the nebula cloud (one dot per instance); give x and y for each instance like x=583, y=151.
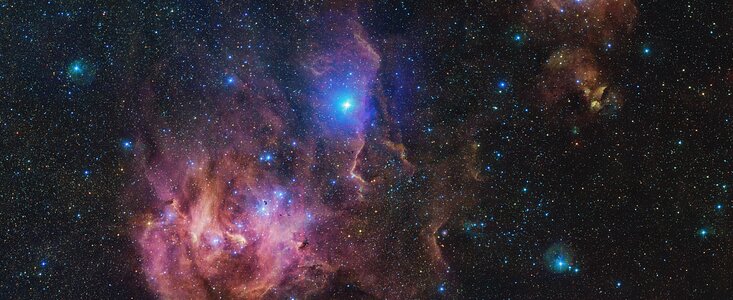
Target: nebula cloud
x=582, y=32
x=253, y=204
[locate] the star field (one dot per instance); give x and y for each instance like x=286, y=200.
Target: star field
x=552, y=149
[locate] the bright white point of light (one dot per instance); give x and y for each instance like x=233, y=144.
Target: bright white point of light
x=618, y=284
x=346, y=105
x=719, y=206
x=517, y=37
x=703, y=232
x=647, y=50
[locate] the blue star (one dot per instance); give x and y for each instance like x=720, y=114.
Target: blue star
x=43, y=263
x=702, y=232
x=560, y=263
x=517, y=37
x=618, y=284
x=502, y=84
x=265, y=157
x=442, y=288
x=346, y=105
x=646, y=51
x=127, y=144
x=719, y=206
x=86, y=173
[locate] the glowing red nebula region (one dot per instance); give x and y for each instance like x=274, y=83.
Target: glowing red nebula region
x=251, y=205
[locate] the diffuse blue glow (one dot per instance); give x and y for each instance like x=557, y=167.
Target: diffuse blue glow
x=558, y=259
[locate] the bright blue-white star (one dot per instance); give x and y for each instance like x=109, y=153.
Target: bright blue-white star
x=441, y=288
x=127, y=144
x=703, y=232
x=560, y=262
x=266, y=157
x=346, y=105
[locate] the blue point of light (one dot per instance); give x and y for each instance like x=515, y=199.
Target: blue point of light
x=502, y=84
x=618, y=284
x=517, y=37
x=560, y=262
x=647, y=50
x=347, y=105
x=442, y=288
x=127, y=144
x=719, y=206
x=702, y=232
x=87, y=173
x=43, y=263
